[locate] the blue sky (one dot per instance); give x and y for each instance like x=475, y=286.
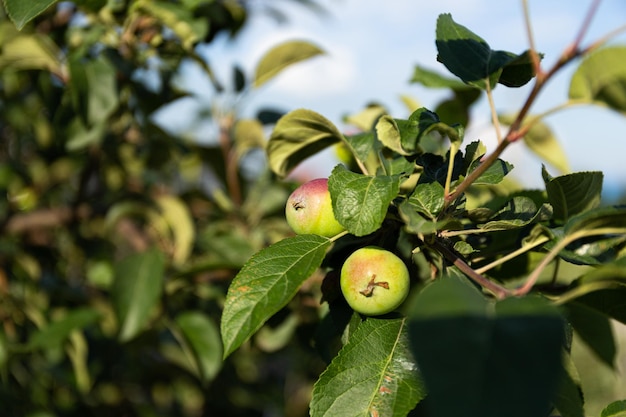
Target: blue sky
x=371, y=50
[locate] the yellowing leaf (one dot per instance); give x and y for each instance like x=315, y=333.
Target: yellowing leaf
x=180, y=223
x=282, y=56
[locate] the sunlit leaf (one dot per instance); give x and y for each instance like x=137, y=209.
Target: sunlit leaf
x=601, y=78
x=432, y=79
x=298, y=135
x=136, y=291
x=248, y=134
x=177, y=216
x=32, y=51
x=360, y=202
x=282, y=56
x=266, y=283
x=373, y=375
x=541, y=140
x=615, y=409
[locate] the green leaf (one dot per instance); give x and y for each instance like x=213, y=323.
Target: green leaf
x=31, y=52
x=598, y=218
x=601, y=78
x=594, y=328
x=494, y=174
x=248, y=134
x=282, y=56
x=428, y=199
x=23, y=11
x=569, y=399
x=615, y=409
x=575, y=193
x=362, y=146
x=433, y=79
x=204, y=341
x=178, y=19
x=136, y=291
x=518, y=212
x=374, y=374
x=57, y=331
x=541, y=140
x=467, y=55
x=298, y=135
x=360, y=202
x=464, y=349
x=93, y=89
x=266, y=283
x=519, y=71
x=388, y=132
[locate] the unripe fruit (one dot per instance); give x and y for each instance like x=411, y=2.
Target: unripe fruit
x=309, y=210
x=374, y=281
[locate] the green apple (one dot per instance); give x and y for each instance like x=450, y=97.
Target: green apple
x=309, y=210
x=374, y=281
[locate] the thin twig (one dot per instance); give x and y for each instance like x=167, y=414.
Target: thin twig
x=531, y=39
x=497, y=290
x=494, y=112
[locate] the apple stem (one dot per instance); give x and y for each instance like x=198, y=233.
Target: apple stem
x=369, y=290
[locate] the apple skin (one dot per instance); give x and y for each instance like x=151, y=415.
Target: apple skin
x=374, y=281
x=309, y=210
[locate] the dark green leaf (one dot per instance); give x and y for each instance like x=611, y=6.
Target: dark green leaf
x=601, y=78
x=615, y=409
x=520, y=211
x=57, y=331
x=23, y=11
x=519, y=71
x=282, y=56
x=456, y=110
x=594, y=329
x=239, y=79
x=266, y=283
x=569, y=399
x=298, y=135
x=599, y=218
x=464, y=350
x=204, y=341
x=373, y=375
x=136, y=290
x=360, y=202
x=467, y=55
x=609, y=301
x=575, y=193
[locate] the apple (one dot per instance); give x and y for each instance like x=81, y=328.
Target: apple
x=309, y=210
x=374, y=281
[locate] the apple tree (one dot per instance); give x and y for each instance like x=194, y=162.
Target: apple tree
x=501, y=277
